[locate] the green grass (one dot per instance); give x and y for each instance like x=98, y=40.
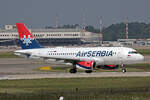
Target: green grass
x=144, y=67
x=144, y=51
x=8, y=55
x=76, y=89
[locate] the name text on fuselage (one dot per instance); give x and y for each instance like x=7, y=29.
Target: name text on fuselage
x=94, y=53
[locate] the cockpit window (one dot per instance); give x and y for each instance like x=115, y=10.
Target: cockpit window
x=132, y=52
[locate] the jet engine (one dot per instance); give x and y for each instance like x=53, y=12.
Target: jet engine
x=86, y=65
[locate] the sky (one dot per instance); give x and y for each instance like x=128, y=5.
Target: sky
x=41, y=13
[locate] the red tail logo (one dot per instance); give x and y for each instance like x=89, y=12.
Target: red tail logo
x=23, y=31
x=26, y=39
x=24, y=35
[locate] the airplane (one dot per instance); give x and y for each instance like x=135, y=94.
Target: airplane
x=85, y=58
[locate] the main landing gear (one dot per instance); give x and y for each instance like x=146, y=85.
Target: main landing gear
x=73, y=69
x=88, y=71
x=123, y=68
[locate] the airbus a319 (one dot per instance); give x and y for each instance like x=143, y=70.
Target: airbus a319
x=85, y=58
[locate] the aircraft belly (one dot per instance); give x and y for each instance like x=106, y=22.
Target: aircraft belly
x=109, y=60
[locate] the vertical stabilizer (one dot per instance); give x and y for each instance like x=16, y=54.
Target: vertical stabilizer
x=27, y=40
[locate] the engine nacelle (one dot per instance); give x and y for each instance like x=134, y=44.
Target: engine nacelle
x=85, y=65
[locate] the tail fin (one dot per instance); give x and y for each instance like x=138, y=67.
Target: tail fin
x=27, y=40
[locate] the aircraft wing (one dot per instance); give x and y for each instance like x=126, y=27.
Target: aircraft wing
x=69, y=59
x=22, y=54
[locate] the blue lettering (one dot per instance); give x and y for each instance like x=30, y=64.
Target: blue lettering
x=78, y=54
x=103, y=53
x=89, y=53
x=94, y=53
x=107, y=52
x=82, y=54
x=98, y=53
x=85, y=54
x=110, y=53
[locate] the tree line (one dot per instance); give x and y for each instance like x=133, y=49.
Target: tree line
x=137, y=30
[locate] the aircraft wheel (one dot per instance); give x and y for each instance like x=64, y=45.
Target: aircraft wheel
x=73, y=71
x=123, y=70
x=88, y=71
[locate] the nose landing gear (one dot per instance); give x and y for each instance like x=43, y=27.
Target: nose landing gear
x=123, y=68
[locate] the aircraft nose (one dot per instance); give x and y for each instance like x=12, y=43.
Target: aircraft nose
x=141, y=57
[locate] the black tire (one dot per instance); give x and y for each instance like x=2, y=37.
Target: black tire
x=72, y=70
x=94, y=65
x=124, y=70
x=88, y=71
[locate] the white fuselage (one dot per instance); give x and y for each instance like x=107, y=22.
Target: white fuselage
x=100, y=55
